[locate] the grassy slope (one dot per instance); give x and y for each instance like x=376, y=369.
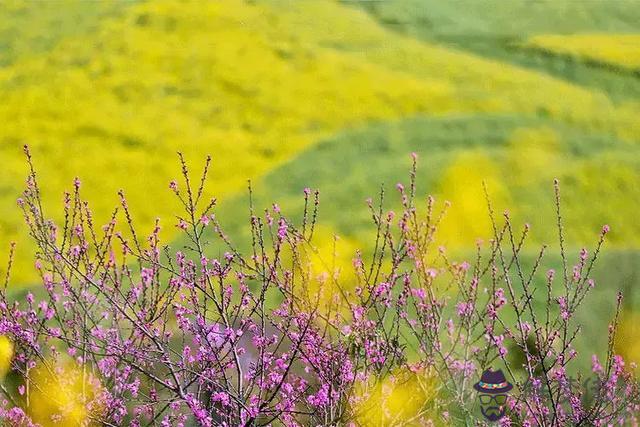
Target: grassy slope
x=27, y=29
x=500, y=30
x=511, y=149
x=498, y=19
x=497, y=30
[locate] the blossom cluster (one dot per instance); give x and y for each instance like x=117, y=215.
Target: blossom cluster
x=132, y=332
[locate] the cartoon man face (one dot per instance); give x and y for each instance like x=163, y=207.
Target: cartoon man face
x=492, y=406
x=492, y=393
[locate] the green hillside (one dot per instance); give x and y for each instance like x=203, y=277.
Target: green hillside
x=329, y=95
x=502, y=30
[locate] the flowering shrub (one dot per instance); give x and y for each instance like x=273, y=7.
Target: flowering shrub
x=129, y=331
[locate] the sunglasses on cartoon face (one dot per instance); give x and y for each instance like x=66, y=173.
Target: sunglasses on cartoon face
x=499, y=399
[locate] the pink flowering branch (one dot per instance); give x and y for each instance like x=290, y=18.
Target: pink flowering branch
x=158, y=336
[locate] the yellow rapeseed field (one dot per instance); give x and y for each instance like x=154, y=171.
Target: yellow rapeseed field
x=222, y=78
x=251, y=83
x=621, y=50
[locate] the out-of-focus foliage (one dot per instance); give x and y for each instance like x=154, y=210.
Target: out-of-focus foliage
x=62, y=396
x=459, y=184
x=628, y=344
x=622, y=50
x=6, y=354
x=533, y=154
x=402, y=398
x=327, y=267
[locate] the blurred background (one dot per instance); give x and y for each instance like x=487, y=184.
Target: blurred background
x=335, y=96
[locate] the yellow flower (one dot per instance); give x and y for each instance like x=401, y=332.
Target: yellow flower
x=326, y=269
x=6, y=354
x=467, y=219
x=627, y=342
x=63, y=396
x=402, y=398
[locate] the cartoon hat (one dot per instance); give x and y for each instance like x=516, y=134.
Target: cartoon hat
x=493, y=382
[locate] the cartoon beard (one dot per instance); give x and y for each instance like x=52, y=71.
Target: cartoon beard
x=492, y=413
